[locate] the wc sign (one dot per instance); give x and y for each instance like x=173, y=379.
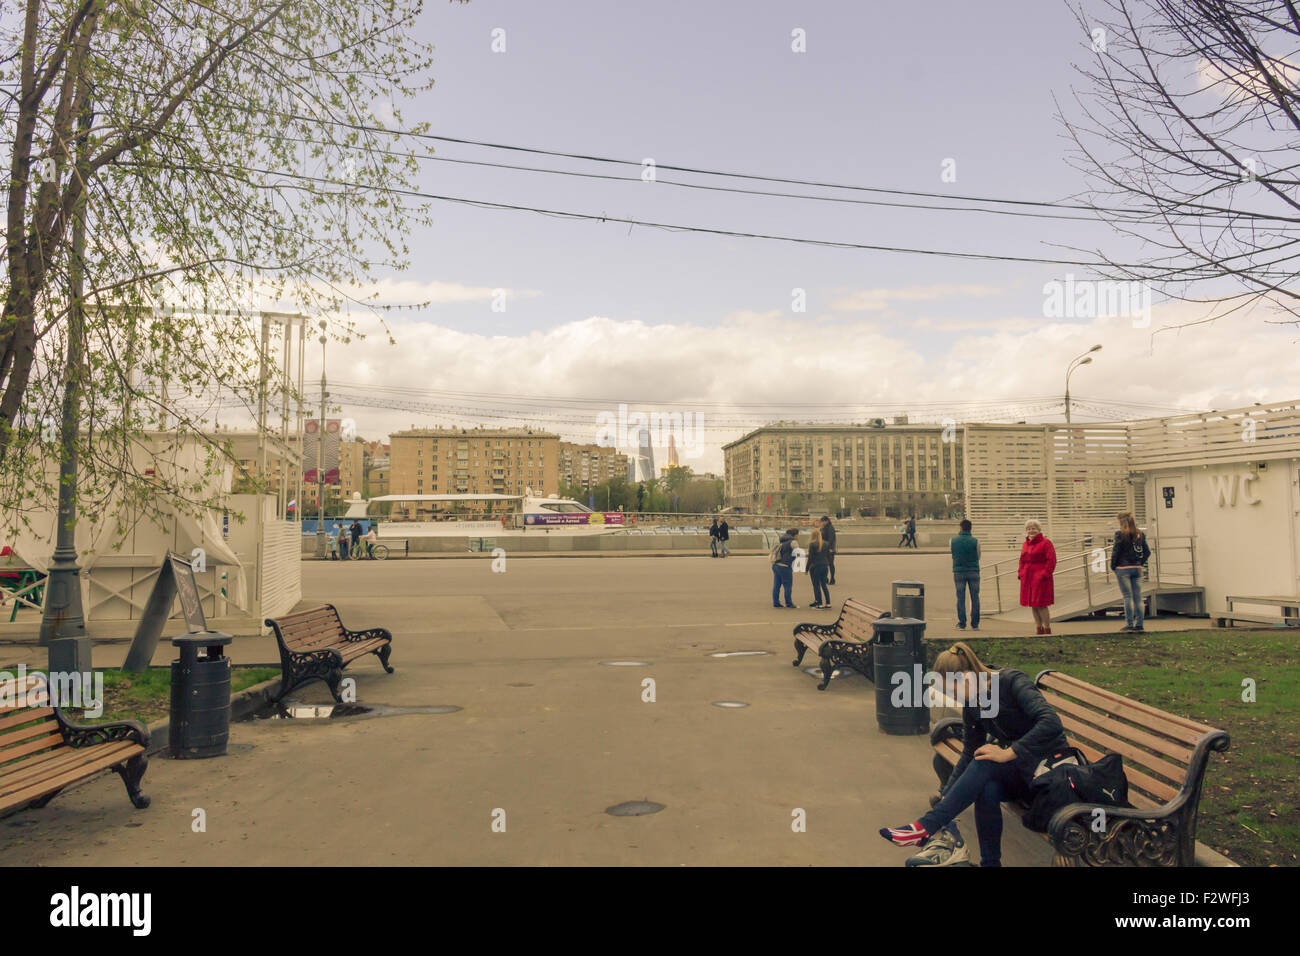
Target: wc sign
x=1228, y=487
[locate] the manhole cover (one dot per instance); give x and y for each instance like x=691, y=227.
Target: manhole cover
x=729, y=703
x=835, y=674
x=739, y=653
x=634, y=808
x=625, y=663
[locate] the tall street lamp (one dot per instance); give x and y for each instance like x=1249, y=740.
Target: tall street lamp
x=63, y=620
x=320, y=453
x=1084, y=359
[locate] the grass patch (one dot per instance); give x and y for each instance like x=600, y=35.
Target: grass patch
x=146, y=696
x=1249, y=806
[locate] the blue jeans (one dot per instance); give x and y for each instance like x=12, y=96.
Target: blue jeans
x=986, y=784
x=964, y=580
x=713, y=543
x=722, y=543
x=782, y=577
x=1130, y=585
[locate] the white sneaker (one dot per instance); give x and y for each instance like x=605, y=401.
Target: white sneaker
x=946, y=848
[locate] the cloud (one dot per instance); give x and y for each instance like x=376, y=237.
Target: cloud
x=876, y=300
x=757, y=367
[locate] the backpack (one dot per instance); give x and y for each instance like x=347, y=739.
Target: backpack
x=1071, y=779
x=774, y=555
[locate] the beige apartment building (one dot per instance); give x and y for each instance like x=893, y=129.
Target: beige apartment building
x=589, y=465
x=872, y=466
x=473, y=461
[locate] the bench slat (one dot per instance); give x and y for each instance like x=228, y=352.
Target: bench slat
x=34, y=745
x=23, y=716
x=1181, y=729
x=1159, y=745
x=57, y=761
x=1132, y=755
x=101, y=761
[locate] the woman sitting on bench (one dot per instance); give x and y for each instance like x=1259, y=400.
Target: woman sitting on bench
x=988, y=773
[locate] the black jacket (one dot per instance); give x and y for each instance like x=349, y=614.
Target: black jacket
x=713, y=530
x=786, y=554
x=819, y=557
x=355, y=531
x=828, y=535
x=1025, y=721
x=1129, y=553
x=724, y=532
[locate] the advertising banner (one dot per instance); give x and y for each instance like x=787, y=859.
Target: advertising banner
x=596, y=517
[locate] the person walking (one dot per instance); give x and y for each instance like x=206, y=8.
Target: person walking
x=902, y=535
x=782, y=556
x=1037, y=564
x=343, y=542
x=1128, y=557
x=828, y=535
x=819, y=559
x=724, y=535
x=911, y=531
x=1028, y=731
x=966, y=574
x=713, y=538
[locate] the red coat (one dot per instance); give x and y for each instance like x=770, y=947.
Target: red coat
x=1037, y=562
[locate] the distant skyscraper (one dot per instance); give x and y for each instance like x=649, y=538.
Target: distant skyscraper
x=641, y=466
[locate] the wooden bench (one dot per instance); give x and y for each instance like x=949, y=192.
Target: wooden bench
x=1165, y=757
x=314, y=645
x=846, y=643
x=42, y=752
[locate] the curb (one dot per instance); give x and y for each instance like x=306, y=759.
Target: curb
x=242, y=704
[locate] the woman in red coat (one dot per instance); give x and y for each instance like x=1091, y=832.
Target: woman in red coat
x=1037, y=562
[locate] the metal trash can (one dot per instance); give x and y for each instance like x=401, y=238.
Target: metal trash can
x=898, y=647
x=200, y=706
x=907, y=599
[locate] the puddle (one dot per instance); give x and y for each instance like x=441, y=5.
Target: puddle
x=634, y=808
x=729, y=703
x=835, y=674
x=295, y=710
x=739, y=653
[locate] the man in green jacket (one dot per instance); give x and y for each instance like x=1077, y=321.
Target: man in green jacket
x=966, y=575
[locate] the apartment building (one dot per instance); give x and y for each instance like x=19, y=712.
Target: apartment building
x=473, y=461
x=589, y=465
x=870, y=466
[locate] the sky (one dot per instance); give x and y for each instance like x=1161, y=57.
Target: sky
x=883, y=95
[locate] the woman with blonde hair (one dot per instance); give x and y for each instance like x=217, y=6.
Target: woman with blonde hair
x=1127, y=559
x=1037, y=563
x=1026, y=729
x=819, y=564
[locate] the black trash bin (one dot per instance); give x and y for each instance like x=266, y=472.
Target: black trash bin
x=899, y=648
x=200, y=708
x=907, y=599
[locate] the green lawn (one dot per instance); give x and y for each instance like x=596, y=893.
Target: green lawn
x=1250, y=808
x=146, y=697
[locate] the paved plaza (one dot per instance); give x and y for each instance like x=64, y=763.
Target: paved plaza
x=546, y=734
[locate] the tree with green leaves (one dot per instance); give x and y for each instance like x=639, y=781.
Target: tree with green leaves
x=232, y=156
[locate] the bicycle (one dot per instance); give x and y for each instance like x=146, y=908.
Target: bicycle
x=379, y=552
